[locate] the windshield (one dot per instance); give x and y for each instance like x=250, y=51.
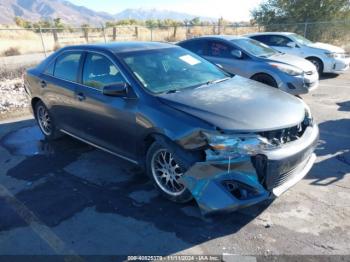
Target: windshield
x=171, y=69
x=301, y=40
x=254, y=47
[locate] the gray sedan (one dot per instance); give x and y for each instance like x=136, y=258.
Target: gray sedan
x=227, y=142
x=255, y=60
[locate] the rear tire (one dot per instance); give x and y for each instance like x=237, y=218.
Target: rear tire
x=45, y=121
x=165, y=171
x=317, y=63
x=265, y=79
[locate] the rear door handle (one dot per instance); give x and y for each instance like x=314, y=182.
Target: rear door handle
x=43, y=83
x=81, y=97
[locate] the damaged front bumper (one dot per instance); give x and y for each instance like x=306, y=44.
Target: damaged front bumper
x=230, y=184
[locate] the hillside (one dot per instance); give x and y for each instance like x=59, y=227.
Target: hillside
x=144, y=14
x=34, y=10
x=69, y=13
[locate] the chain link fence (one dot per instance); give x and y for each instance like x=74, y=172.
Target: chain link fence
x=16, y=41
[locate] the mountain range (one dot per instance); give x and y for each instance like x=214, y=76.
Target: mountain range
x=34, y=10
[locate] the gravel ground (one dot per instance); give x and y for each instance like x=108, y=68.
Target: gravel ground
x=13, y=98
x=68, y=198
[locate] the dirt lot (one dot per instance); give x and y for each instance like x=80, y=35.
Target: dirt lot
x=68, y=198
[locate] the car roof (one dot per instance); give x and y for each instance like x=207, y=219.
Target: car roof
x=121, y=47
x=217, y=37
x=269, y=33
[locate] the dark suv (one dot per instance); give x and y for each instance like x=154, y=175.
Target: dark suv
x=199, y=132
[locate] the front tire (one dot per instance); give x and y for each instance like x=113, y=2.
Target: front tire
x=45, y=121
x=165, y=172
x=265, y=79
x=317, y=63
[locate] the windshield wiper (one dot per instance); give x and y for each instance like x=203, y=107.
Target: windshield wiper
x=217, y=81
x=171, y=91
x=265, y=56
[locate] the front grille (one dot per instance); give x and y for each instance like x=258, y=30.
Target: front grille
x=282, y=178
x=272, y=173
x=285, y=135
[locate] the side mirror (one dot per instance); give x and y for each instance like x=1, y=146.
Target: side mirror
x=291, y=44
x=119, y=89
x=237, y=54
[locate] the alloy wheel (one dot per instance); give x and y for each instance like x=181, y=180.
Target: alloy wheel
x=167, y=172
x=44, y=120
x=316, y=64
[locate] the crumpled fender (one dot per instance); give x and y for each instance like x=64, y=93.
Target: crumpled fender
x=204, y=178
x=204, y=181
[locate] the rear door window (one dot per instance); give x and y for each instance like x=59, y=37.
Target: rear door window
x=67, y=66
x=198, y=47
x=219, y=49
x=278, y=40
x=262, y=38
x=50, y=68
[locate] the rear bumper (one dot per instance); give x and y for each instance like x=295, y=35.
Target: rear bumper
x=228, y=185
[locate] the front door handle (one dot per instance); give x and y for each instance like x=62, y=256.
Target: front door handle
x=81, y=97
x=43, y=83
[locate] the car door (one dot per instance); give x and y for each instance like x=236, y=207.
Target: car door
x=219, y=52
x=58, y=82
x=106, y=121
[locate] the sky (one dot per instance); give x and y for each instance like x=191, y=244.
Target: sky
x=233, y=10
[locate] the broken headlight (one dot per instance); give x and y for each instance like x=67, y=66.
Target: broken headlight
x=237, y=145
x=308, y=120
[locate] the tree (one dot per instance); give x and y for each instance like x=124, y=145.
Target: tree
x=195, y=21
x=299, y=16
x=126, y=22
x=58, y=24
x=299, y=11
x=151, y=23
x=86, y=29
x=22, y=23
x=43, y=25
x=170, y=22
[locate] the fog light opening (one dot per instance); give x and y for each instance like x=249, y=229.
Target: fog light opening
x=239, y=190
x=291, y=86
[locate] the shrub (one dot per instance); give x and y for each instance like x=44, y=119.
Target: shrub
x=11, y=51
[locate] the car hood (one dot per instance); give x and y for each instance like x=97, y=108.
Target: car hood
x=327, y=47
x=293, y=60
x=239, y=104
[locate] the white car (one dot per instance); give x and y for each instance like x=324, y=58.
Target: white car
x=327, y=58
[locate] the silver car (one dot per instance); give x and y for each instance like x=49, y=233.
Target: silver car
x=252, y=59
x=327, y=58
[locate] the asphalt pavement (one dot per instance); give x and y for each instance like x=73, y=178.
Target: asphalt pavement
x=66, y=197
